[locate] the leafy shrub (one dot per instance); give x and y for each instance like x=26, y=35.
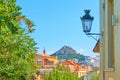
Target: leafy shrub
x=61, y=73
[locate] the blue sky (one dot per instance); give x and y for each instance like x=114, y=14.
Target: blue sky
x=58, y=23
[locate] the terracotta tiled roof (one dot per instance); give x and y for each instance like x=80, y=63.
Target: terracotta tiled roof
x=69, y=62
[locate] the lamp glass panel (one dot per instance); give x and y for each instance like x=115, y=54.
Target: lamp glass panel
x=87, y=25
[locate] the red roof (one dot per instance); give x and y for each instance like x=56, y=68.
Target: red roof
x=69, y=62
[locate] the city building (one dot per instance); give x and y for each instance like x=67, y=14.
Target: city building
x=45, y=61
x=84, y=70
x=74, y=67
x=109, y=40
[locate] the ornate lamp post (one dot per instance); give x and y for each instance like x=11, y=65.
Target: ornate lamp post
x=87, y=23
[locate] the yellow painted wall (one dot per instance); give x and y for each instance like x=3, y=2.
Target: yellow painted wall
x=51, y=58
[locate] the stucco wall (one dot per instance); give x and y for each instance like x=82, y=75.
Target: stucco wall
x=110, y=74
x=117, y=39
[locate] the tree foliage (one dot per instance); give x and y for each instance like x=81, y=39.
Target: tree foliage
x=61, y=73
x=16, y=47
x=95, y=75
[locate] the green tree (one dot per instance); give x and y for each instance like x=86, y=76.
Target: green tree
x=61, y=73
x=16, y=47
x=95, y=75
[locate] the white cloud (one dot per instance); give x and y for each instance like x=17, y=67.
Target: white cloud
x=49, y=52
x=81, y=51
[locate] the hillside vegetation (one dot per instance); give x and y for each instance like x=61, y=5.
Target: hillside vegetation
x=67, y=53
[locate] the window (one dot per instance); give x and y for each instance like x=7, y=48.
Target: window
x=49, y=62
x=39, y=62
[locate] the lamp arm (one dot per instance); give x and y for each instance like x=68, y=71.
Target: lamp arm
x=92, y=33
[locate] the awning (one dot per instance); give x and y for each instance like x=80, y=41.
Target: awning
x=97, y=47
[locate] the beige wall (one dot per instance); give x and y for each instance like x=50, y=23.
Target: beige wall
x=102, y=24
x=109, y=45
x=117, y=39
x=81, y=73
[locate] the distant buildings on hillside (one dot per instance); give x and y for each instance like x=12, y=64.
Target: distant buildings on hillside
x=74, y=67
x=93, y=61
x=46, y=63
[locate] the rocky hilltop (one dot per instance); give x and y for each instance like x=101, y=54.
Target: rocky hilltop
x=66, y=50
x=68, y=53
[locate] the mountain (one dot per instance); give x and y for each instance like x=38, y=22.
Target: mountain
x=68, y=53
x=66, y=50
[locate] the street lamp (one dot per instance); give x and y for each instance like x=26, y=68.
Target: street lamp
x=87, y=23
